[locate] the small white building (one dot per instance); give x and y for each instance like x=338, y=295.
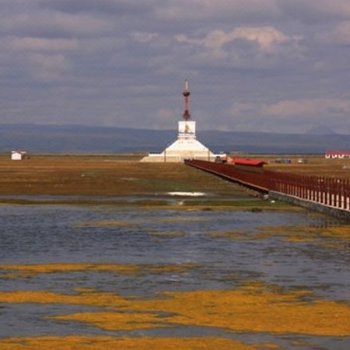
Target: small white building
x=18, y=155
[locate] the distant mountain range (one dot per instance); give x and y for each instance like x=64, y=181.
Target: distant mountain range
x=321, y=130
x=85, y=139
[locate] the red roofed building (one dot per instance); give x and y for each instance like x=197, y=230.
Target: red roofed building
x=337, y=154
x=254, y=165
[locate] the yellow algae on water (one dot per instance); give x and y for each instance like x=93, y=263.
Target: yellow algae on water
x=105, y=342
x=251, y=308
x=106, y=224
x=235, y=235
x=174, y=268
x=287, y=233
x=168, y=234
x=113, y=321
x=82, y=297
x=256, y=311
x=302, y=233
x=31, y=270
x=267, y=346
x=182, y=219
x=340, y=232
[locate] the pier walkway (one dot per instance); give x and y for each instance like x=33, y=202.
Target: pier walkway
x=329, y=195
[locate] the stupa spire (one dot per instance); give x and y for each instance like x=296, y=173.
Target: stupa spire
x=186, y=94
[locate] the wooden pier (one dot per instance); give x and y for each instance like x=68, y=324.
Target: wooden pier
x=314, y=191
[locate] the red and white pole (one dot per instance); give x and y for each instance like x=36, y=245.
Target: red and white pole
x=186, y=93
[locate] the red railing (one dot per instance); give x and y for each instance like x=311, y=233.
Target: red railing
x=333, y=192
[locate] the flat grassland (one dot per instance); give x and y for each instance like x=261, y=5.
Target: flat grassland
x=124, y=175
x=309, y=165
x=104, y=175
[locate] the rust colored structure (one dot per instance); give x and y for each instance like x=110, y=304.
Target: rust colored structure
x=331, y=192
x=252, y=165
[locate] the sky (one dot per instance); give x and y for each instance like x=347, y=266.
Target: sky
x=252, y=65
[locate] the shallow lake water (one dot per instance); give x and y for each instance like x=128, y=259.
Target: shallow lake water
x=151, y=238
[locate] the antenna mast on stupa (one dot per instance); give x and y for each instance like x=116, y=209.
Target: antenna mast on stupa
x=186, y=93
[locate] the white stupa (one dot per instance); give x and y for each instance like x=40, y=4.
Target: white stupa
x=186, y=146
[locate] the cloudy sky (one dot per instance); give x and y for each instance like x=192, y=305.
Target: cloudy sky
x=253, y=65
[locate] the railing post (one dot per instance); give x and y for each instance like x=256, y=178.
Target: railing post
x=347, y=194
x=327, y=192
x=338, y=193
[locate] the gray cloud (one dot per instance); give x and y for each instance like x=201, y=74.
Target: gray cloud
x=312, y=12
x=107, y=7
x=268, y=65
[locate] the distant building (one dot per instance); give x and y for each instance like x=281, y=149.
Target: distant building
x=18, y=155
x=337, y=154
